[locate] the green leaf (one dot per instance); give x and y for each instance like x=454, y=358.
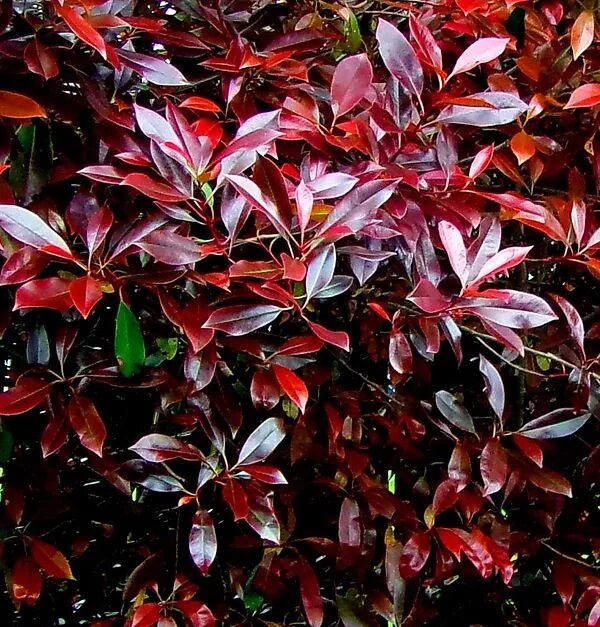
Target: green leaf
x=352, y=37
x=167, y=349
x=6, y=446
x=129, y=342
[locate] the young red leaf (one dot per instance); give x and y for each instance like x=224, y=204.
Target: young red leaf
x=336, y=338
x=582, y=33
x=18, y=106
x=262, y=441
x=482, y=51
x=49, y=559
x=85, y=293
x=203, y=541
x=87, y=423
x=584, y=96
x=481, y=161
x=292, y=385
x=81, y=27
x=426, y=43
x=351, y=81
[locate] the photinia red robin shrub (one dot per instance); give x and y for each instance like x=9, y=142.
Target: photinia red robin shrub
x=299, y=313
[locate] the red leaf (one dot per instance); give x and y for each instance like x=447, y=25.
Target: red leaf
x=26, y=581
x=171, y=248
x=146, y=615
x=303, y=345
x=41, y=59
x=52, y=293
x=584, y=96
x=494, y=466
x=481, y=161
x=292, y=385
x=262, y=441
x=85, y=293
x=49, y=559
x=28, y=393
x=87, y=423
x=311, y=594
x=482, y=51
x=415, y=554
x=264, y=390
x=203, y=541
x=152, y=188
x=582, y=33
x=201, y=104
x=400, y=353
x=18, y=106
x=455, y=248
x=428, y=298
x=81, y=27
x=529, y=448
x=264, y=473
x=426, y=42
x=336, y=338
x=351, y=80
x=162, y=448
x=237, y=499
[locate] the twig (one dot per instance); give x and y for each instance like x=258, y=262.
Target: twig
x=576, y=560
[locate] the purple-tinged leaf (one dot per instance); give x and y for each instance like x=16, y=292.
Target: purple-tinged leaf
x=506, y=109
x=28, y=228
x=320, y=271
x=555, y=424
x=242, y=319
x=455, y=248
x=203, y=541
x=154, y=70
x=170, y=248
x=399, y=57
x=454, y=412
x=494, y=387
x=262, y=442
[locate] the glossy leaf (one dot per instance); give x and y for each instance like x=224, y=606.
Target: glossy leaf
x=129, y=342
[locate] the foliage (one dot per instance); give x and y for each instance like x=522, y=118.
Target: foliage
x=299, y=315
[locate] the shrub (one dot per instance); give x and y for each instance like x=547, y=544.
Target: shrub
x=299, y=313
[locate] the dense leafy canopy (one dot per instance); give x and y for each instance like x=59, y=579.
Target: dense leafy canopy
x=299, y=313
